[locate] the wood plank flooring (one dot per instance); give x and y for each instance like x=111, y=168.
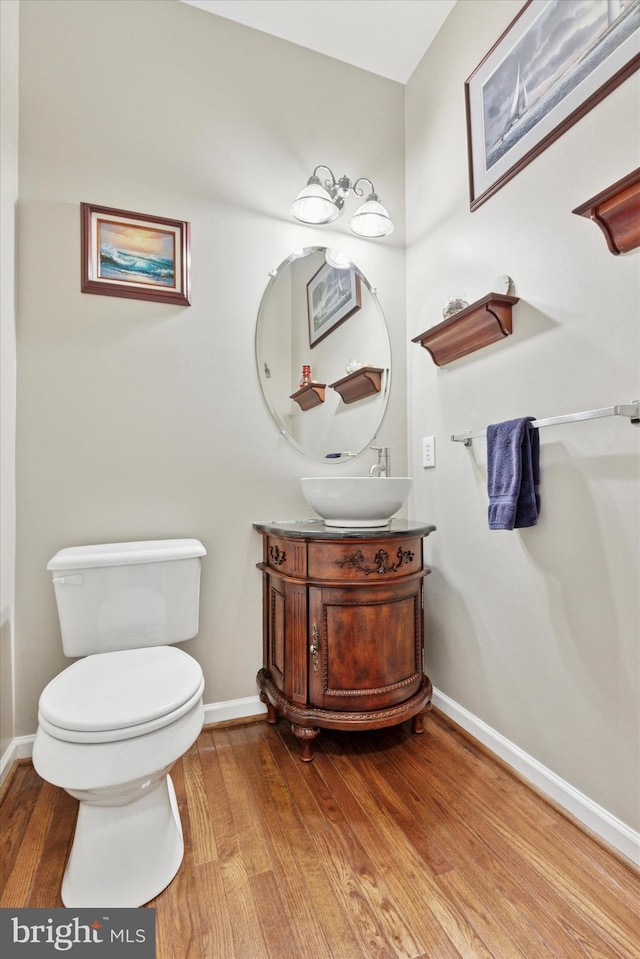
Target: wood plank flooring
x=387, y=846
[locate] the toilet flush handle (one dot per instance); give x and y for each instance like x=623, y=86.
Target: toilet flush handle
x=76, y=580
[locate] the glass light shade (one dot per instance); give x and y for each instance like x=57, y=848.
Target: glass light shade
x=314, y=205
x=371, y=220
x=338, y=260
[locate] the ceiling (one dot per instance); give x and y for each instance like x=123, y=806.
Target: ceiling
x=387, y=37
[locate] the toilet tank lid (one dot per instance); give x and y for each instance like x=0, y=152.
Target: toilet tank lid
x=126, y=554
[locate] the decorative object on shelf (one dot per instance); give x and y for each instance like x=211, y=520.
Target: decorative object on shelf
x=354, y=365
x=481, y=323
x=305, y=379
x=134, y=255
x=517, y=104
x=322, y=203
x=616, y=211
x=333, y=296
x=503, y=284
x=309, y=396
x=453, y=305
x=363, y=382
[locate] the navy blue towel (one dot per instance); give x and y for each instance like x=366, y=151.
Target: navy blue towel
x=513, y=473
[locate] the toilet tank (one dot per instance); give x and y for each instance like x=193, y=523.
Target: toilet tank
x=127, y=595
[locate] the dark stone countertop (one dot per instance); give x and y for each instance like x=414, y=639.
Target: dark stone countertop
x=315, y=529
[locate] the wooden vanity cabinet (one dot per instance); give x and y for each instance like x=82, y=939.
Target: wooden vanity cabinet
x=343, y=628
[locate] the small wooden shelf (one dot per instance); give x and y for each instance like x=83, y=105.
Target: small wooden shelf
x=355, y=386
x=617, y=212
x=309, y=396
x=484, y=322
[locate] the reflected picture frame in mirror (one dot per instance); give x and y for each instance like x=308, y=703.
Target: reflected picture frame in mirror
x=333, y=295
x=314, y=416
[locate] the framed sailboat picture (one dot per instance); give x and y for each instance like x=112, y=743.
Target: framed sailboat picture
x=553, y=63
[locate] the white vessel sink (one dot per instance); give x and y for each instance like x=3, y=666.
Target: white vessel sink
x=356, y=501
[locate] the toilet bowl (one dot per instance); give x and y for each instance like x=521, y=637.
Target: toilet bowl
x=111, y=726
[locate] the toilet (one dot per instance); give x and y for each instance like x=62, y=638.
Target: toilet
x=113, y=723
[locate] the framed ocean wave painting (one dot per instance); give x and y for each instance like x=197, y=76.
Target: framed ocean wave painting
x=134, y=255
x=555, y=61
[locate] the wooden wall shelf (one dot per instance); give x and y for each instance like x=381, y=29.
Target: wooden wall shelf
x=309, y=396
x=484, y=322
x=617, y=212
x=355, y=386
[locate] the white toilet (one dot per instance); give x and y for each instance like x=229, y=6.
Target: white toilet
x=112, y=724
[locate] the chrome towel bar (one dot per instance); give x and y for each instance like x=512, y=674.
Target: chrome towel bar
x=630, y=410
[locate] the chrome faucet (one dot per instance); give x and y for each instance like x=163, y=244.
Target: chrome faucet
x=383, y=466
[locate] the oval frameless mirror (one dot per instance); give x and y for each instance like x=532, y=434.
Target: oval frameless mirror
x=318, y=310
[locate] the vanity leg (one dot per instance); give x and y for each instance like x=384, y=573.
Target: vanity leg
x=417, y=723
x=305, y=736
x=272, y=715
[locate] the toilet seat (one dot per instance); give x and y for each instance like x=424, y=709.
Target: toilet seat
x=109, y=697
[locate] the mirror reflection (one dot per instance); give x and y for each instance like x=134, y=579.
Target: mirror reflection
x=323, y=355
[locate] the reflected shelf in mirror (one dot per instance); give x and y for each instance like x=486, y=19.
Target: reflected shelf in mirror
x=355, y=386
x=309, y=396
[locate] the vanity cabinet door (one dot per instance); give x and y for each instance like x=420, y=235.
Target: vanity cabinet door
x=286, y=636
x=365, y=645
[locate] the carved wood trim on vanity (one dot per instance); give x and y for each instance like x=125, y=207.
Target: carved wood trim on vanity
x=348, y=719
x=381, y=562
x=296, y=665
x=276, y=612
x=276, y=555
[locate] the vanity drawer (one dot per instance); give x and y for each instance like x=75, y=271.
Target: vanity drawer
x=365, y=561
x=287, y=556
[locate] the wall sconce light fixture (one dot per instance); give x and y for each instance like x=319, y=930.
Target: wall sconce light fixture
x=322, y=203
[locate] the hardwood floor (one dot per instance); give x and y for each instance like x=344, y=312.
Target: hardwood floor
x=387, y=846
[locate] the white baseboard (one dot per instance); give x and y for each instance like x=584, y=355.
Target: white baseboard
x=594, y=817
x=19, y=748
x=608, y=827
x=22, y=746
x=233, y=709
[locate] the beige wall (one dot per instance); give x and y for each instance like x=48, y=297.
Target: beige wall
x=535, y=631
x=141, y=420
x=8, y=200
